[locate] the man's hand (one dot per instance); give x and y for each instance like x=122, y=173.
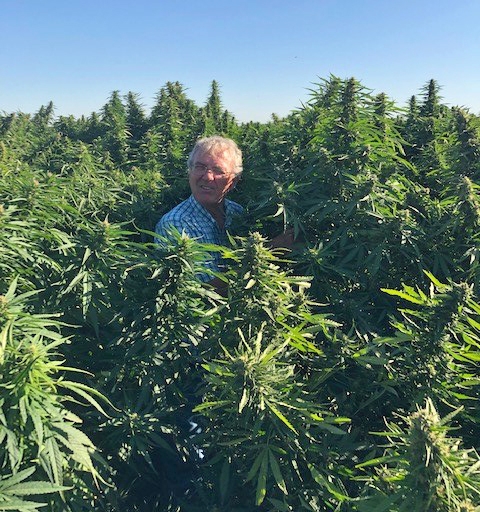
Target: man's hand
x=284, y=240
x=219, y=285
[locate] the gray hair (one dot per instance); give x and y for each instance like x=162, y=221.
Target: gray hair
x=216, y=143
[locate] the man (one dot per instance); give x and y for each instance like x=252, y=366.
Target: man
x=214, y=167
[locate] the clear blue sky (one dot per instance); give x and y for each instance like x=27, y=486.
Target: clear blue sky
x=265, y=54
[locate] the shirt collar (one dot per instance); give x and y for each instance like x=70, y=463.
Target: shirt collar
x=201, y=210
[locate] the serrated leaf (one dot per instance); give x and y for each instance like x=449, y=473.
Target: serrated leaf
x=75, y=281
x=16, y=478
x=20, y=505
x=331, y=488
x=277, y=474
x=38, y=425
x=256, y=465
x=243, y=400
x=86, y=255
x=211, y=405
x=250, y=283
x=331, y=428
x=280, y=416
x=280, y=210
x=279, y=505
x=402, y=295
x=262, y=481
x=224, y=480
x=34, y=487
x=53, y=460
x=86, y=392
x=376, y=461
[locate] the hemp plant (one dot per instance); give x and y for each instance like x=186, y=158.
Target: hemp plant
x=433, y=354
x=424, y=468
x=262, y=427
x=37, y=425
x=155, y=374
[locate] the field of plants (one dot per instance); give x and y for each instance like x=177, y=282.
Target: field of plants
x=340, y=376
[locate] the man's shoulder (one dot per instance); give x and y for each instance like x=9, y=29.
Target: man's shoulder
x=233, y=208
x=183, y=209
x=178, y=217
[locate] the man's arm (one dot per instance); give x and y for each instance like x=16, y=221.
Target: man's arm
x=284, y=240
x=219, y=285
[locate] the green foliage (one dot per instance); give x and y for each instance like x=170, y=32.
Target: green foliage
x=13, y=489
x=424, y=468
x=35, y=422
x=255, y=394
x=439, y=360
x=275, y=396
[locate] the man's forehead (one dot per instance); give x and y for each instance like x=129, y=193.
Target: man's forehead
x=215, y=153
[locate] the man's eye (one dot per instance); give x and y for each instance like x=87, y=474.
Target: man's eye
x=202, y=169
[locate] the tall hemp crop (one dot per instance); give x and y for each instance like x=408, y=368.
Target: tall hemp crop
x=339, y=376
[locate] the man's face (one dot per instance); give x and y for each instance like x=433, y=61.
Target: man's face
x=211, y=177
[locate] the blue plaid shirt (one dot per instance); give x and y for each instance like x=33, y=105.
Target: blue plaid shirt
x=194, y=220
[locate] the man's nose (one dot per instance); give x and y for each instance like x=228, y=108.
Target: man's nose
x=209, y=174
